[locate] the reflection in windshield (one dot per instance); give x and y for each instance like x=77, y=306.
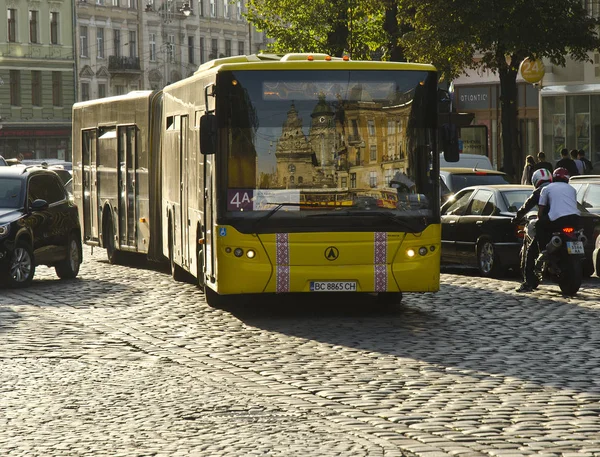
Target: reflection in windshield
x=10, y=193
x=337, y=140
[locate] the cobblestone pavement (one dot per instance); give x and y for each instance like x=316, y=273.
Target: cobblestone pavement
x=126, y=362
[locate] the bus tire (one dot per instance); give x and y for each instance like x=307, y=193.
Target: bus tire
x=177, y=272
x=214, y=299
x=108, y=238
x=200, y=263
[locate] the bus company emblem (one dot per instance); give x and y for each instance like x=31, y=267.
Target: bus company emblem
x=332, y=253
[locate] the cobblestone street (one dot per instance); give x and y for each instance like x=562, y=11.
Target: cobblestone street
x=124, y=361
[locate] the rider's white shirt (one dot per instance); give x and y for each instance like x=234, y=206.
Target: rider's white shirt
x=561, y=198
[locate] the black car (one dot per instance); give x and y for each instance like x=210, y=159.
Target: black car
x=39, y=225
x=477, y=228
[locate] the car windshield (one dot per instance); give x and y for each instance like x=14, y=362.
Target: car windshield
x=460, y=181
x=592, y=198
x=10, y=193
x=514, y=199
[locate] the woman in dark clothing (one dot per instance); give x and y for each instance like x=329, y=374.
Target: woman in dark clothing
x=528, y=170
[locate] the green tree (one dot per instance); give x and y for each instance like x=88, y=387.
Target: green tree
x=498, y=35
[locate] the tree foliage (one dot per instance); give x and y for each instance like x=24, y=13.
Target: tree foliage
x=498, y=35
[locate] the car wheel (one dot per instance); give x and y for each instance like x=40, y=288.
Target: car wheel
x=21, y=266
x=487, y=259
x=69, y=268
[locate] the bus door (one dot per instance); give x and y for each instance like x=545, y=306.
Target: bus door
x=209, y=215
x=89, y=181
x=126, y=184
x=186, y=187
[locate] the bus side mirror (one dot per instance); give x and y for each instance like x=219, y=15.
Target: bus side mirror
x=208, y=134
x=450, y=143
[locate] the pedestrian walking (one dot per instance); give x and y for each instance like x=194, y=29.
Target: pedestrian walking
x=587, y=165
x=567, y=162
x=542, y=163
x=528, y=170
x=578, y=163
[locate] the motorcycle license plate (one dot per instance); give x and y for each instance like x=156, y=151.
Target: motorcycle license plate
x=575, y=247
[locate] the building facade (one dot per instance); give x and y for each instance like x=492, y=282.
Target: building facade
x=37, y=82
x=126, y=45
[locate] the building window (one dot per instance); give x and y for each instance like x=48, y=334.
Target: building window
x=152, y=47
x=117, y=42
x=100, y=43
x=202, y=50
x=12, y=25
x=119, y=89
x=373, y=153
x=239, y=11
x=36, y=88
x=226, y=8
x=85, y=91
x=132, y=4
x=53, y=28
x=132, y=43
x=15, y=87
x=171, y=48
x=213, y=8
x=115, y=2
x=57, y=88
x=214, y=48
x=227, y=48
x=388, y=176
x=101, y=90
x=373, y=178
x=33, y=27
x=83, y=41
x=191, y=49
x=352, y=180
x=100, y=2
x=344, y=182
x=241, y=48
x=200, y=7
x=371, y=126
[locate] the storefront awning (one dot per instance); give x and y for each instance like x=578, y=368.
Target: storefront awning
x=575, y=89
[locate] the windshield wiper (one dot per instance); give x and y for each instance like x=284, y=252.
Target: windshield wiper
x=261, y=219
x=406, y=225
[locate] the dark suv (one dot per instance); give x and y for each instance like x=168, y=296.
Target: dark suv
x=39, y=225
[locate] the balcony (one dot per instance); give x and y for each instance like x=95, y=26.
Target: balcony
x=127, y=65
x=354, y=140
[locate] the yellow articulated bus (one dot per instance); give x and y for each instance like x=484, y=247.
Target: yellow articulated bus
x=270, y=174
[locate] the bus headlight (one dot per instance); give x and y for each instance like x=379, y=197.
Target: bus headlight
x=422, y=250
x=238, y=252
x=250, y=254
x=410, y=252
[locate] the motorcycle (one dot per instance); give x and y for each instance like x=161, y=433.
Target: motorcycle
x=562, y=262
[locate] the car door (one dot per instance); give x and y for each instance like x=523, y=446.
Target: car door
x=49, y=226
x=451, y=213
x=471, y=226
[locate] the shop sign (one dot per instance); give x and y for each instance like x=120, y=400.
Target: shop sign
x=34, y=132
x=470, y=98
x=532, y=70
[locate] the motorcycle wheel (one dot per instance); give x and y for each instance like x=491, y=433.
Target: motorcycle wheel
x=571, y=275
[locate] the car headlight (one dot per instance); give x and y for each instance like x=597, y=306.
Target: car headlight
x=4, y=230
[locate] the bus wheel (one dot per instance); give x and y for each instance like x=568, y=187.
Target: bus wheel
x=200, y=263
x=108, y=235
x=177, y=272
x=389, y=300
x=214, y=299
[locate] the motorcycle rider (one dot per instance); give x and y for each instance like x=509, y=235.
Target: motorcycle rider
x=539, y=179
x=557, y=207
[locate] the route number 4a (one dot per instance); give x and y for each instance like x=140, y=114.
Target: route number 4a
x=240, y=199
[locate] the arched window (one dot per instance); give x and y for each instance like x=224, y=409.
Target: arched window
x=300, y=180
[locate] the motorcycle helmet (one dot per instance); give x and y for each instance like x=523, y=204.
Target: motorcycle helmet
x=540, y=176
x=561, y=174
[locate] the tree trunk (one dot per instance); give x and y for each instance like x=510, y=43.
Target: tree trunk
x=337, y=38
x=509, y=110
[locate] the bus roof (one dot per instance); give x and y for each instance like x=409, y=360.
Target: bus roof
x=304, y=61
x=133, y=95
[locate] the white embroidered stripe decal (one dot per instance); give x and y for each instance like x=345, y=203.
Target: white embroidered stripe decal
x=282, y=262
x=380, y=261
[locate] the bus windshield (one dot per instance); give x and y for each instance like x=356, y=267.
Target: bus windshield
x=307, y=143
